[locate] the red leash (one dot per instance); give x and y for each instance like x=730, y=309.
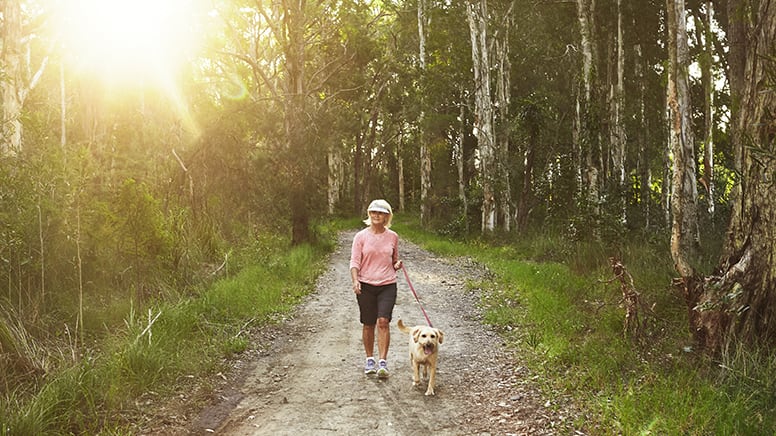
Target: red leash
x=412, y=288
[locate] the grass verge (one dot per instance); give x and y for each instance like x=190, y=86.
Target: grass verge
x=162, y=344
x=554, y=303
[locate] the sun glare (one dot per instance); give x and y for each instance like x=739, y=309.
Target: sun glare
x=128, y=41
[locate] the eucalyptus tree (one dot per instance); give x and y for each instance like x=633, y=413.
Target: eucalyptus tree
x=19, y=22
x=477, y=13
x=373, y=106
x=705, y=39
x=617, y=131
x=738, y=301
x=586, y=136
x=502, y=102
x=684, y=230
x=489, y=48
x=432, y=76
x=425, y=156
x=12, y=63
x=292, y=32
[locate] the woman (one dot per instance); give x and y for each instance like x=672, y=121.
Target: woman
x=374, y=260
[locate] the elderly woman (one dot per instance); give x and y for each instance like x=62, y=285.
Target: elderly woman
x=374, y=260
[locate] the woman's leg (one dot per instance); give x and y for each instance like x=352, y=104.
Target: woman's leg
x=368, y=337
x=383, y=337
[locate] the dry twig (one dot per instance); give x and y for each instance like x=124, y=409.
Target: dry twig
x=631, y=299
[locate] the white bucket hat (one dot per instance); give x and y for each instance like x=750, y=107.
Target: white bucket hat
x=380, y=206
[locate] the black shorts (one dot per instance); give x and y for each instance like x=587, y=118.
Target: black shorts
x=376, y=302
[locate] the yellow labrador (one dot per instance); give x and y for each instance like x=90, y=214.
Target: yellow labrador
x=424, y=351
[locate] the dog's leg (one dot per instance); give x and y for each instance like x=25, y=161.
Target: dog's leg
x=431, y=380
x=415, y=371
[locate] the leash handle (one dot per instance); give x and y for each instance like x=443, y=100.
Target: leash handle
x=412, y=288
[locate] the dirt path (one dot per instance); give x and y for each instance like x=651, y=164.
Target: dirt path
x=308, y=379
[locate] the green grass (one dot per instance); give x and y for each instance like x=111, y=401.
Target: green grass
x=548, y=297
x=163, y=343
x=550, y=300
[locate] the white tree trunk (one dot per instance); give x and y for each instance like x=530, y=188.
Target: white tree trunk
x=684, y=230
x=588, y=170
x=11, y=81
x=422, y=20
x=708, y=142
x=668, y=159
x=618, y=135
x=576, y=142
x=477, y=13
x=503, y=84
x=584, y=13
x=16, y=80
x=461, y=162
x=335, y=179
x=425, y=154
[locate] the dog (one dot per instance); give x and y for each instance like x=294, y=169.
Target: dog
x=424, y=352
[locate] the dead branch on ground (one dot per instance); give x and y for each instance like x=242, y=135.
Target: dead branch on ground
x=634, y=321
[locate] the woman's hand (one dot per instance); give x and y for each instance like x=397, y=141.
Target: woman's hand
x=397, y=265
x=357, y=287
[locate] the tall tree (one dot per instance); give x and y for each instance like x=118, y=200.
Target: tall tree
x=502, y=67
x=17, y=79
x=296, y=118
x=617, y=131
x=684, y=230
x=477, y=13
x=586, y=134
x=739, y=300
x=460, y=161
x=425, y=154
x=707, y=78
x=12, y=58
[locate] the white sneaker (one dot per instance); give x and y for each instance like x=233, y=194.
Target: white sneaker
x=370, y=367
x=382, y=370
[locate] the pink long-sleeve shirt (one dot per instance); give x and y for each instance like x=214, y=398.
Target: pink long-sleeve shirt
x=373, y=255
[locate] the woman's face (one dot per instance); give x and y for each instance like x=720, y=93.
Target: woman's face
x=379, y=218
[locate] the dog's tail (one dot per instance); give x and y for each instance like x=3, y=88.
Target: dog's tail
x=403, y=327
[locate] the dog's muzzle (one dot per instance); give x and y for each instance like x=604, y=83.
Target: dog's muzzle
x=428, y=349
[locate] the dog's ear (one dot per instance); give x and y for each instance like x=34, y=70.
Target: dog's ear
x=440, y=335
x=415, y=335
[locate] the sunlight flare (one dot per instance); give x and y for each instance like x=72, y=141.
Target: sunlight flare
x=129, y=46
x=128, y=42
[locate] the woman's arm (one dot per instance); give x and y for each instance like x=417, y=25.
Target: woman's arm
x=397, y=264
x=354, y=278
